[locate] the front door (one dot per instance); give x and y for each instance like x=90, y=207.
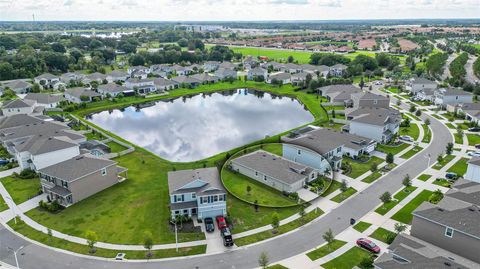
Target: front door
x=194, y=211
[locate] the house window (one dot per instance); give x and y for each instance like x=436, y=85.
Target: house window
x=339, y=149
x=265, y=178
x=205, y=200
x=177, y=212
x=194, y=196
x=299, y=152
x=65, y=184
x=375, y=101
x=449, y=232
x=256, y=173
x=180, y=198
x=220, y=198
x=104, y=171
x=215, y=198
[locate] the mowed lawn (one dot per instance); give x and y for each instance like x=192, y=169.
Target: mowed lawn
x=405, y=213
x=360, y=168
x=115, y=147
x=412, y=131
x=392, y=149
x=349, y=259
x=237, y=185
x=21, y=190
x=473, y=139
x=460, y=167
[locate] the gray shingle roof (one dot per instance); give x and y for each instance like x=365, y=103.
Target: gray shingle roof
x=112, y=88
x=272, y=165
x=418, y=254
x=475, y=161
x=375, y=115
x=47, y=76
x=204, y=77
x=17, y=103
x=280, y=76
x=178, y=179
x=17, y=84
x=423, y=81
x=17, y=120
x=185, y=79
x=459, y=209
x=76, y=167
x=44, y=98
x=46, y=128
x=40, y=144
x=78, y=92
x=164, y=82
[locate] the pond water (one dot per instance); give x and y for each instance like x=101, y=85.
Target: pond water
x=193, y=128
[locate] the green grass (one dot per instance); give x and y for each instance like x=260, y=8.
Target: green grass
x=440, y=165
x=393, y=90
x=437, y=117
x=237, y=184
x=427, y=134
x=349, y=259
x=449, y=125
x=94, y=136
x=3, y=204
x=372, y=177
x=458, y=139
x=442, y=182
x=412, y=131
x=397, y=198
x=328, y=108
x=460, y=167
x=473, y=139
x=277, y=266
x=424, y=177
x=344, y=195
x=360, y=168
x=21, y=190
x=392, y=149
x=335, y=185
x=362, y=226
x=325, y=250
x=276, y=149
x=115, y=147
x=411, y=152
x=250, y=239
x=413, y=116
x=55, y=242
x=404, y=215
x=383, y=235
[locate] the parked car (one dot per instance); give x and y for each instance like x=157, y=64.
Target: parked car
x=227, y=237
x=378, y=83
x=3, y=161
x=406, y=138
x=451, y=175
x=477, y=146
x=120, y=256
x=474, y=153
x=368, y=245
x=221, y=222
x=474, y=129
x=209, y=226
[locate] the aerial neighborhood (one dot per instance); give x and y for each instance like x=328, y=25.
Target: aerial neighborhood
x=250, y=145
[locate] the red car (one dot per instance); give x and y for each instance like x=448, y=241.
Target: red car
x=368, y=245
x=221, y=222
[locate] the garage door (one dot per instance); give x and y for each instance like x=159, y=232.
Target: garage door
x=211, y=213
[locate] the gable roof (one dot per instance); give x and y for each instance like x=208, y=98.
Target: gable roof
x=17, y=120
x=47, y=76
x=423, y=81
x=77, y=167
x=17, y=103
x=78, y=92
x=375, y=115
x=44, y=98
x=112, y=88
x=209, y=176
x=40, y=144
x=17, y=84
x=164, y=82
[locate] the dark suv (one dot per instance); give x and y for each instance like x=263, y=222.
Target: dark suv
x=209, y=226
x=227, y=237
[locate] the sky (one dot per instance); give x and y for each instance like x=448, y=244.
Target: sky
x=234, y=10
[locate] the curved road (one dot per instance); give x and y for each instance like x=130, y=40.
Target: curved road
x=306, y=238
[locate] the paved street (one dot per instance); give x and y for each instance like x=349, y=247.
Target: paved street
x=308, y=237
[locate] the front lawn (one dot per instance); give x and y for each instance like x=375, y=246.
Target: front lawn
x=392, y=149
x=3, y=204
x=405, y=214
x=325, y=250
x=21, y=190
x=265, y=195
x=383, y=235
x=397, y=198
x=411, y=152
x=446, y=159
x=344, y=195
x=424, y=177
x=372, y=177
x=335, y=185
x=442, y=182
x=250, y=239
x=360, y=168
x=412, y=131
x=458, y=139
x=349, y=259
x=460, y=167
x=473, y=139
x=362, y=226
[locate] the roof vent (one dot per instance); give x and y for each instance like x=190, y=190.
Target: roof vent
x=447, y=264
x=440, y=209
x=79, y=157
x=471, y=209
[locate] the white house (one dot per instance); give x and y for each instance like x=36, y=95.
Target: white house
x=473, y=170
x=112, y=89
x=210, y=66
x=197, y=192
x=117, y=75
x=18, y=86
x=44, y=99
x=39, y=151
x=257, y=73
x=137, y=68
x=275, y=171
x=284, y=78
x=47, y=80
x=471, y=111
x=164, y=84
x=142, y=86
x=379, y=124
x=18, y=106
x=419, y=84
x=79, y=95
x=444, y=97
x=224, y=73
x=337, y=70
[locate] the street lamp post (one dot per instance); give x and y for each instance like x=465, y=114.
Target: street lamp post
x=428, y=157
x=15, y=254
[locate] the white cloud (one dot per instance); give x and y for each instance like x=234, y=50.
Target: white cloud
x=185, y=10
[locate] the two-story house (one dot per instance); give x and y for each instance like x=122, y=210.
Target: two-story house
x=367, y=99
x=417, y=85
x=75, y=179
x=450, y=96
x=47, y=80
x=17, y=106
x=453, y=223
x=340, y=94
x=141, y=86
x=473, y=170
x=197, y=192
x=379, y=124
x=256, y=73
